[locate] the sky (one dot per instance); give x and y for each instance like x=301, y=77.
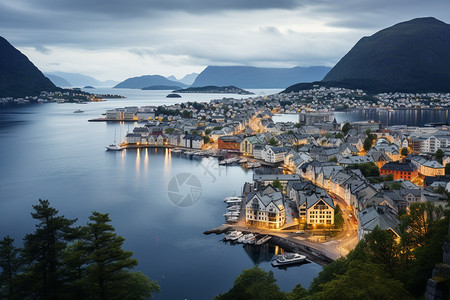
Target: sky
x=118, y=39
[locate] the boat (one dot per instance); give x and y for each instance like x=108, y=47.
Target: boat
x=232, y=219
x=243, y=161
x=253, y=164
x=175, y=150
x=237, y=201
x=247, y=238
x=234, y=235
x=263, y=240
x=287, y=258
x=115, y=146
x=232, y=214
x=234, y=208
x=78, y=111
x=231, y=198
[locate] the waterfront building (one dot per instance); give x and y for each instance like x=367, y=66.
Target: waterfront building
x=133, y=138
x=229, y=142
x=191, y=141
x=311, y=118
x=265, y=208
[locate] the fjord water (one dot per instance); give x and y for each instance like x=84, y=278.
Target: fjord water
x=49, y=152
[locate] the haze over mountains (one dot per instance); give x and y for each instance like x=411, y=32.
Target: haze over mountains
x=61, y=79
x=412, y=56
x=253, y=77
x=187, y=79
x=19, y=76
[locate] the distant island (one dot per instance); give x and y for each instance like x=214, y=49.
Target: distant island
x=162, y=88
x=215, y=89
x=89, y=87
x=173, y=96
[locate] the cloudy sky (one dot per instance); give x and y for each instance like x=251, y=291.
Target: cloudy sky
x=117, y=39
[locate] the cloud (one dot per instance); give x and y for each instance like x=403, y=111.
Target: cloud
x=110, y=39
x=42, y=49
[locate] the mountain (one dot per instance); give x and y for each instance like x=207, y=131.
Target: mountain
x=146, y=81
x=75, y=79
x=187, y=79
x=18, y=75
x=412, y=56
x=58, y=80
x=253, y=77
x=161, y=88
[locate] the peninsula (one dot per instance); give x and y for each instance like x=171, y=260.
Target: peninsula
x=215, y=90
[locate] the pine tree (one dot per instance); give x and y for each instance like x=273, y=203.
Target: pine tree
x=109, y=267
x=43, y=277
x=9, y=264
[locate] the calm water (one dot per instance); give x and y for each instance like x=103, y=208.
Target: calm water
x=410, y=117
x=51, y=153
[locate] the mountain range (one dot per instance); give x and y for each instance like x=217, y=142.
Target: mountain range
x=18, y=75
x=412, y=56
x=148, y=81
x=254, y=77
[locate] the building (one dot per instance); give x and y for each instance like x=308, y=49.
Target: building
x=229, y=142
x=428, y=167
x=382, y=216
x=274, y=154
x=315, y=206
x=311, y=118
x=265, y=208
x=262, y=180
x=401, y=170
x=191, y=141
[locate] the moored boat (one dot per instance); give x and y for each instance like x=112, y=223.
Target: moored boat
x=234, y=235
x=287, y=258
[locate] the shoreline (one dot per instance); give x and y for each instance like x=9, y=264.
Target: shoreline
x=313, y=254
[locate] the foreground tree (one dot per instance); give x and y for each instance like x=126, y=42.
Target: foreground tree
x=254, y=283
x=43, y=276
x=109, y=267
x=439, y=155
x=9, y=265
x=363, y=281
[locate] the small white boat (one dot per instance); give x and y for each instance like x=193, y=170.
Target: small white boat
x=234, y=235
x=234, y=208
x=232, y=214
x=234, y=201
x=243, y=161
x=78, y=111
x=175, y=150
x=232, y=219
x=287, y=258
x=231, y=198
x=252, y=165
x=114, y=147
x=246, y=238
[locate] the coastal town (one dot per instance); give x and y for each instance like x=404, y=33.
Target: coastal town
x=317, y=183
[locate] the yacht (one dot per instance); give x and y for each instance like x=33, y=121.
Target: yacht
x=234, y=235
x=287, y=258
x=234, y=208
x=246, y=238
